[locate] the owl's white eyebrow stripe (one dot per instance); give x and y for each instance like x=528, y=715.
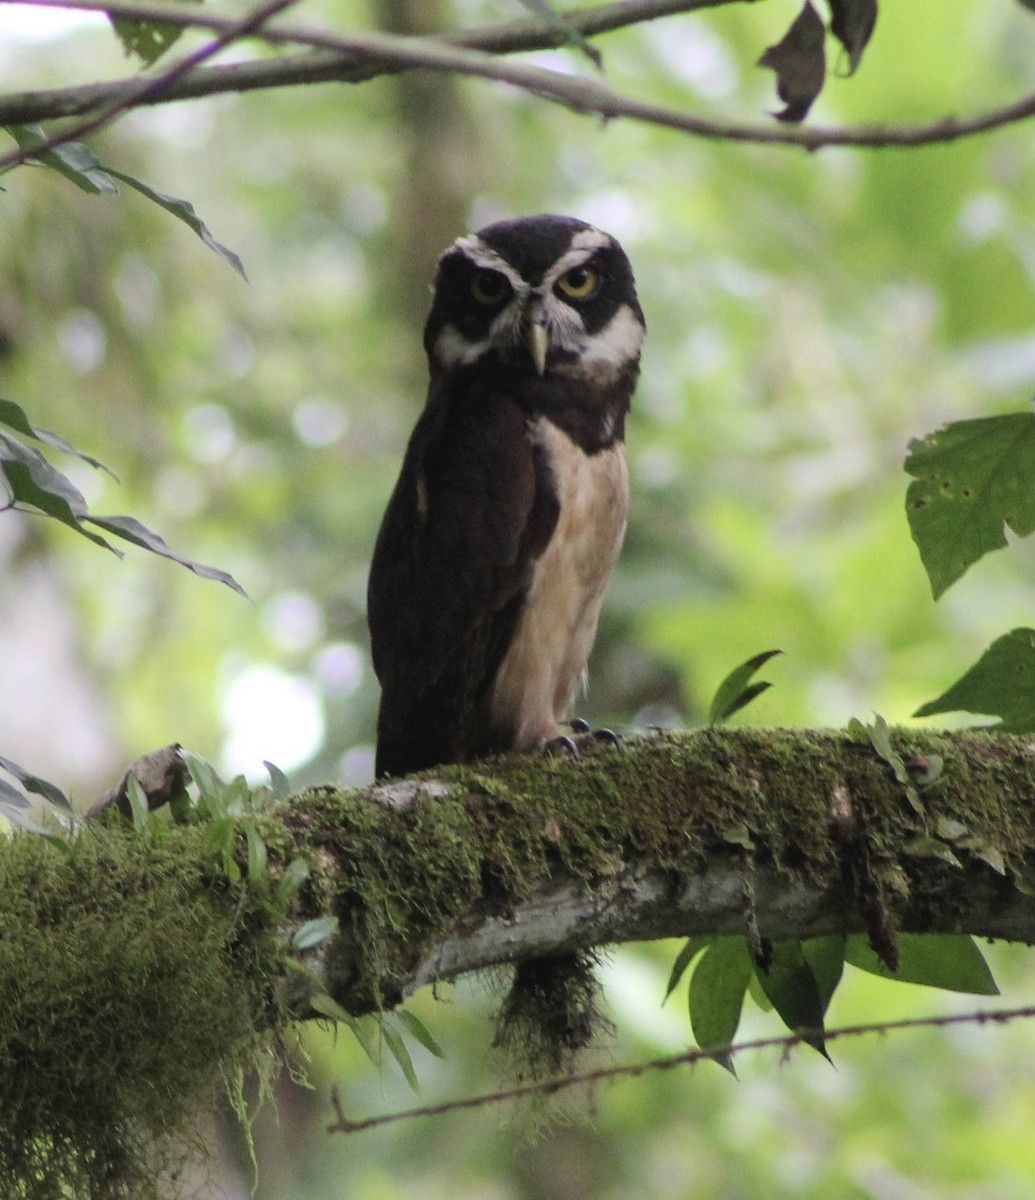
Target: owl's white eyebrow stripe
x=484, y=256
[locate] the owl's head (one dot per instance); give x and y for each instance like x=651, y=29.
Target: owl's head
x=545, y=295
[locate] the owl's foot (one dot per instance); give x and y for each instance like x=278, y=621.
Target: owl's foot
x=583, y=737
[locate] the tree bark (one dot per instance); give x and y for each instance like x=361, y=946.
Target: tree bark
x=774, y=834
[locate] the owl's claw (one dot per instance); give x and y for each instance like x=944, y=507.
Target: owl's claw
x=561, y=746
x=584, y=737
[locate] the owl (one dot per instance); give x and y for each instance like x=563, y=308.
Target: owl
x=500, y=537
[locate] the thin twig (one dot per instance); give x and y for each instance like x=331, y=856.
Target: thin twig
x=549, y=1087
x=149, y=89
x=358, y=57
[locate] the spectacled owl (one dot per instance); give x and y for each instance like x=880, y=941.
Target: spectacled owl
x=501, y=534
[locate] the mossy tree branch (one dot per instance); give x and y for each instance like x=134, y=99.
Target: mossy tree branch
x=131, y=967
x=772, y=833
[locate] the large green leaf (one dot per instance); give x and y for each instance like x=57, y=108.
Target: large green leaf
x=791, y=988
x=950, y=961
x=970, y=479
x=1001, y=683
x=717, y=989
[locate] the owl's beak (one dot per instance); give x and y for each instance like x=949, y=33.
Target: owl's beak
x=537, y=339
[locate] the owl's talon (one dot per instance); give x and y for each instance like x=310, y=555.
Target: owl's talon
x=578, y=725
x=562, y=745
x=609, y=736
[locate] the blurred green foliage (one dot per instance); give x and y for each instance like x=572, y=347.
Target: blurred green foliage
x=808, y=315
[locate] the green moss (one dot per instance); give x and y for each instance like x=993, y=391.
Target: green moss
x=133, y=988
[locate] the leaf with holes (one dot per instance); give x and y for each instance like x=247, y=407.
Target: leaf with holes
x=970, y=479
x=148, y=40
x=1000, y=684
x=799, y=60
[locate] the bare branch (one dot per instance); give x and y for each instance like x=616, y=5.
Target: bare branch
x=784, y=1043
x=357, y=57
x=148, y=88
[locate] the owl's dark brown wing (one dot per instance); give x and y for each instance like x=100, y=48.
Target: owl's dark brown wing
x=472, y=510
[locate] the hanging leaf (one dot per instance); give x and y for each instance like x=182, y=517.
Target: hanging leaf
x=13, y=416
x=736, y=691
x=791, y=988
x=74, y=160
x=826, y=958
x=970, y=479
x=800, y=63
x=398, y=1051
x=147, y=40
x=133, y=531
x=950, y=961
x=183, y=211
x=684, y=958
x=717, y=989
x=852, y=23
x=36, y=785
x=1000, y=684
x=421, y=1032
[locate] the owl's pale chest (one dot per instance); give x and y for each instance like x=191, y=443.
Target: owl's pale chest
x=547, y=656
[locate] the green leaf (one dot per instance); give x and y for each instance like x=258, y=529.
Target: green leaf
x=13, y=416
x=183, y=210
x=258, y=869
x=684, y=958
x=133, y=531
x=295, y=875
x=717, y=989
x=970, y=479
x=34, y=481
x=280, y=785
x=138, y=805
x=735, y=692
x=313, y=932
x=75, y=161
x=327, y=1006
x=791, y=988
x=1001, y=683
x=420, y=1032
x=398, y=1051
x=36, y=785
x=951, y=961
x=826, y=958
x=205, y=776
x=148, y=40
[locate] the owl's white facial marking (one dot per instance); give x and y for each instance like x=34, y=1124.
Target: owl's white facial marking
x=599, y=355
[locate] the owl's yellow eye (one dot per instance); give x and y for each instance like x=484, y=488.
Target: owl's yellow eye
x=579, y=283
x=489, y=287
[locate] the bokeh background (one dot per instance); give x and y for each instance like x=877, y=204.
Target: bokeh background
x=808, y=314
